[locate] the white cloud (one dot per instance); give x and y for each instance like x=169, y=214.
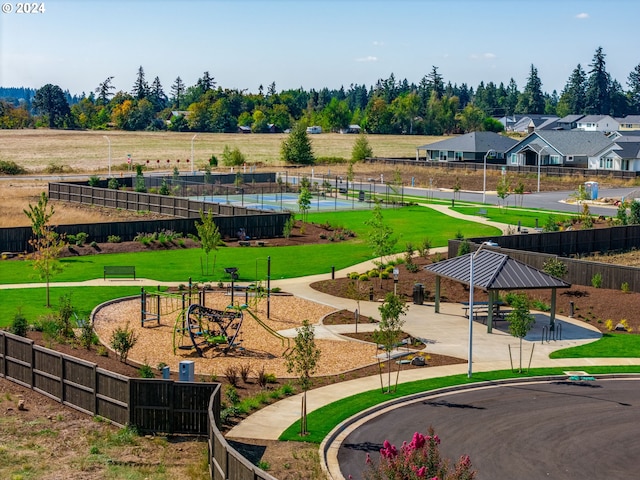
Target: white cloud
x=483, y=56
x=377, y=43
x=582, y=16
x=369, y=58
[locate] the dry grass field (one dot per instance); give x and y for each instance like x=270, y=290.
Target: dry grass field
x=88, y=151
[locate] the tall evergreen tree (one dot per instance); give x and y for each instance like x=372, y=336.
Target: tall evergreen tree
x=50, y=101
x=435, y=81
x=532, y=100
x=598, y=101
x=177, y=91
x=633, y=81
x=140, y=87
x=511, y=100
x=296, y=148
x=575, y=91
x=157, y=96
x=205, y=83
x=104, y=91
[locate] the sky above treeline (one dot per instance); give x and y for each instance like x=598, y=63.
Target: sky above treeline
x=76, y=44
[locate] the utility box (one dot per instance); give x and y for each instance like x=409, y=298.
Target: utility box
x=418, y=294
x=591, y=189
x=187, y=371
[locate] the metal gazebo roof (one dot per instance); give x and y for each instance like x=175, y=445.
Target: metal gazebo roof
x=495, y=271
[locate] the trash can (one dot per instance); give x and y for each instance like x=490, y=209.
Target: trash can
x=591, y=189
x=418, y=294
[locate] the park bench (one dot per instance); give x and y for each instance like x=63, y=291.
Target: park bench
x=120, y=271
x=482, y=211
x=244, y=243
x=481, y=309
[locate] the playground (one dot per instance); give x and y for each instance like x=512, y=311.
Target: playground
x=255, y=344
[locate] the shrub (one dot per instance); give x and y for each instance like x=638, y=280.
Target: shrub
x=122, y=341
x=145, y=371
x=464, y=248
x=609, y=325
x=625, y=287
x=231, y=373
x=331, y=160
x=231, y=393
x=114, y=239
x=94, y=180
x=596, y=280
x=276, y=290
x=88, y=336
x=353, y=276
x=413, y=267
x=364, y=277
x=19, y=325
x=81, y=238
x=245, y=370
x=424, y=247
x=113, y=184
x=11, y=168
x=555, y=267
x=233, y=157
x=537, y=304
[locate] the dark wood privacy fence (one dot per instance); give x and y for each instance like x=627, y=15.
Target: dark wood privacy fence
x=153, y=406
x=579, y=272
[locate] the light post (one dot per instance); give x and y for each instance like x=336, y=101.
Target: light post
x=539, y=162
x=192, y=139
x=472, y=257
x=484, y=176
x=109, y=141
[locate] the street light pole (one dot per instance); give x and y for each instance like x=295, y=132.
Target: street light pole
x=539, y=162
x=109, y=141
x=471, y=287
x=484, y=176
x=192, y=139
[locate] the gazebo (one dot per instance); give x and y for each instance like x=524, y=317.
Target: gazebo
x=494, y=271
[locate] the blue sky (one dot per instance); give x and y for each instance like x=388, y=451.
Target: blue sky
x=312, y=44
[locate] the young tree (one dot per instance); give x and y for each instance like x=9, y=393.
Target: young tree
x=304, y=202
x=303, y=360
x=296, y=148
x=140, y=185
x=209, y=235
x=520, y=320
x=380, y=236
x=389, y=330
x=503, y=190
x=50, y=101
x=47, y=244
x=361, y=150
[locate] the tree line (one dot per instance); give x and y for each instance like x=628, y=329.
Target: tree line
x=391, y=106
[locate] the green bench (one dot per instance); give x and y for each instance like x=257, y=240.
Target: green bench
x=119, y=271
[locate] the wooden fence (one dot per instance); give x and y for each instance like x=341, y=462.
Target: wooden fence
x=546, y=170
x=579, y=272
x=151, y=405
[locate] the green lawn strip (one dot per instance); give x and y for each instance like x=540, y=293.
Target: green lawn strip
x=31, y=302
x=611, y=345
x=321, y=421
x=411, y=224
x=414, y=224
x=511, y=216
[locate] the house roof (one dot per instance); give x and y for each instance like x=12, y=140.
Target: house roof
x=495, y=271
x=629, y=119
x=570, y=118
x=473, y=142
x=594, y=118
x=569, y=142
x=532, y=120
x=629, y=147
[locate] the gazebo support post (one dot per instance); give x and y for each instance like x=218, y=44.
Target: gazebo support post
x=491, y=294
x=437, y=295
x=552, y=315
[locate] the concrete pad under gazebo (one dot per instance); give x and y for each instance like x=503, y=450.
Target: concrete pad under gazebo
x=494, y=271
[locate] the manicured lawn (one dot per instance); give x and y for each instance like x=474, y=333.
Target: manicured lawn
x=511, y=216
x=611, y=345
x=413, y=224
x=321, y=421
x=31, y=302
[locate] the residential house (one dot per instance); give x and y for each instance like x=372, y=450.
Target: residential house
x=628, y=123
x=622, y=155
x=598, y=123
x=570, y=122
x=528, y=123
x=470, y=147
x=568, y=148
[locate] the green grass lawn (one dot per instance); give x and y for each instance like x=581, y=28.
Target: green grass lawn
x=31, y=302
x=321, y=421
x=512, y=215
x=611, y=345
x=413, y=224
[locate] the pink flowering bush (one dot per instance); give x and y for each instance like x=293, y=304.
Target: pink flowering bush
x=418, y=459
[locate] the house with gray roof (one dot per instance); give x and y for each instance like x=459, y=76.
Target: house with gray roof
x=527, y=123
x=569, y=122
x=598, y=123
x=622, y=155
x=470, y=147
x=630, y=122
x=569, y=148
